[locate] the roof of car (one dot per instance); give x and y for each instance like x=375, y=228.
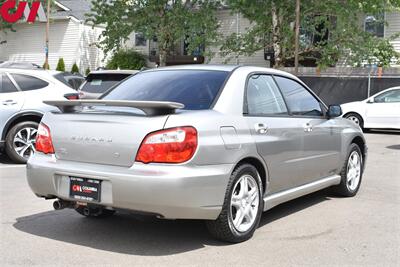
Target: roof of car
x=114, y=72
x=228, y=68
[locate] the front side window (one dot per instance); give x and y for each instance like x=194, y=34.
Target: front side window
x=196, y=89
x=388, y=97
x=6, y=86
x=263, y=96
x=28, y=83
x=299, y=100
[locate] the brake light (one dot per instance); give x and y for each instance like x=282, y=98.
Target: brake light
x=43, y=140
x=72, y=96
x=175, y=145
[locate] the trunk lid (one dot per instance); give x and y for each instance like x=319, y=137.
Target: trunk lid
x=111, y=138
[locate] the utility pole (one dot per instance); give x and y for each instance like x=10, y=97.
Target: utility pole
x=296, y=41
x=46, y=49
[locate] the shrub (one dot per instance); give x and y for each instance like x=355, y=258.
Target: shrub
x=87, y=71
x=75, y=68
x=60, y=65
x=127, y=59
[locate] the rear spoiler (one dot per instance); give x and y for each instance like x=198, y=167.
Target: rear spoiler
x=150, y=108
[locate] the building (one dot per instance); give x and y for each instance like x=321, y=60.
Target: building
x=70, y=38
x=235, y=23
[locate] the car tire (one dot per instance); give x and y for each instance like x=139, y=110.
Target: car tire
x=240, y=202
x=26, y=131
x=351, y=174
x=356, y=118
x=94, y=212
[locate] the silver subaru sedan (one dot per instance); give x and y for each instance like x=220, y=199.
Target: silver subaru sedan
x=216, y=143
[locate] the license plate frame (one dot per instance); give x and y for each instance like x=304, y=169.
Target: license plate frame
x=85, y=189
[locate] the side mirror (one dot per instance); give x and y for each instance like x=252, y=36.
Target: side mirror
x=370, y=101
x=334, y=111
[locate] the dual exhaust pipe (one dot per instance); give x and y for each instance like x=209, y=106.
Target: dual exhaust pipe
x=62, y=204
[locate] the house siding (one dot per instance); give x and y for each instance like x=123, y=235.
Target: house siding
x=393, y=27
x=69, y=39
x=230, y=23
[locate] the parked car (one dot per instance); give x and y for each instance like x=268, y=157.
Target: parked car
x=381, y=110
x=217, y=143
x=98, y=82
x=19, y=65
x=21, y=108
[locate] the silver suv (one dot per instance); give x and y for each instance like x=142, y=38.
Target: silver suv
x=21, y=107
x=217, y=143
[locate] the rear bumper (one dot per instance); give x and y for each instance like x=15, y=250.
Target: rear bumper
x=172, y=191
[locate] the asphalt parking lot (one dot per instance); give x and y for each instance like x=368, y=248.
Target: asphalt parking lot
x=319, y=229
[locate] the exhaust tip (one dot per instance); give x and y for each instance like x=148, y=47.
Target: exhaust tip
x=57, y=205
x=86, y=211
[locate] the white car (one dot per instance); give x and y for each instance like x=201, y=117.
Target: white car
x=22, y=93
x=381, y=110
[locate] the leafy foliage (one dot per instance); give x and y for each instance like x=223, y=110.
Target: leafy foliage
x=127, y=59
x=167, y=21
x=330, y=30
x=87, y=71
x=60, y=65
x=74, y=68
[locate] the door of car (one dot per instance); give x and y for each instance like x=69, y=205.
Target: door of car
x=277, y=136
x=11, y=99
x=384, y=110
x=321, y=137
x=33, y=87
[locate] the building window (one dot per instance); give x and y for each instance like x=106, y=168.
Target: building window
x=140, y=40
x=375, y=25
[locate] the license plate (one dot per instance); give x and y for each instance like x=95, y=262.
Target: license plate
x=85, y=189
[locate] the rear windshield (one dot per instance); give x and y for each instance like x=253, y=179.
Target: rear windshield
x=196, y=89
x=99, y=83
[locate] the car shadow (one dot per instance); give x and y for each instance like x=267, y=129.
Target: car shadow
x=138, y=235
x=4, y=159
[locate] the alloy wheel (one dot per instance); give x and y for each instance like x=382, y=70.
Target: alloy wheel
x=244, y=203
x=24, y=142
x=353, y=171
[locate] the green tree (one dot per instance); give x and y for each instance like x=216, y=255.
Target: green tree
x=87, y=71
x=167, y=21
x=60, y=65
x=330, y=30
x=74, y=68
x=127, y=59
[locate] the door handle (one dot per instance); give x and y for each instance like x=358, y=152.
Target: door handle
x=261, y=128
x=308, y=128
x=9, y=102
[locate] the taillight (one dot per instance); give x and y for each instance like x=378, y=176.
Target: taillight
x=72, y=96
x=43, y=140
x=175, y=145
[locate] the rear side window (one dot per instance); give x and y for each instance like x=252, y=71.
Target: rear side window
x=264, y=97
x=196, y=89
x=6, y=86
x=299, y=100
x=29, y=83
x=99, y=83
